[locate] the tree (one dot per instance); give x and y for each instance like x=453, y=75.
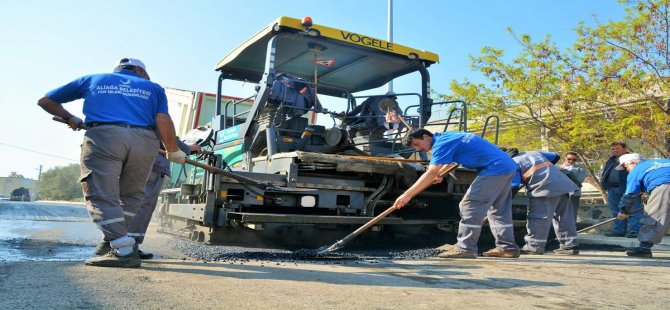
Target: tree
x=628, y=64
x=61, y=183
x=611, y=85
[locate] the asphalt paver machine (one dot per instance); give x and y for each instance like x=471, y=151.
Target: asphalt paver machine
x=321, y=149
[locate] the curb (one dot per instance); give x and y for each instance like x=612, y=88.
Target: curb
x=621, y=241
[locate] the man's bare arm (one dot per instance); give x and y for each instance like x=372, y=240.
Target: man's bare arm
x=166, y=131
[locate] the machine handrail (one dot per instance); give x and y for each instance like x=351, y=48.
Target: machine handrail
x=235, y=115
x=463, y=123
x=486, y=124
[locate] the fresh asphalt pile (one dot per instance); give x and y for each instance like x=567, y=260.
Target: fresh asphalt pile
x=242, y=254
x=234, y=254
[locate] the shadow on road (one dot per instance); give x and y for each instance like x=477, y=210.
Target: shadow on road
x=386, y=275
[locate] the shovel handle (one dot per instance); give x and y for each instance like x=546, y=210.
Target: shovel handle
x=386, y=212
x=62, y=120
x=606, y=221
x=216, y=170
x=212, y=169
x=402, y=119
x=447, y=169
x=365, y=226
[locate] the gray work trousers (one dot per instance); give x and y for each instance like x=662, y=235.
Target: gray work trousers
x=574, y=200
x=489, y=197
x=115, y=166
x=542, y=212
x=656, y=220
x=138, y=227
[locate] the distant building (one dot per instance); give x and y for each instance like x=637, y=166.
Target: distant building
x=14, y=181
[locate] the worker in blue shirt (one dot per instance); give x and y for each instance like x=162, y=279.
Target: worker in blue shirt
x=489, y=194
x=653, y=177
x=127, y=117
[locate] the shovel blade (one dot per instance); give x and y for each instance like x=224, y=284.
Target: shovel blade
x=323, y=250
x=327, y=249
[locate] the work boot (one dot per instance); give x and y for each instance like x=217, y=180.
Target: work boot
x=631, y=235
x=570, y=251
x=102, y=248
x=639, y=252
x=614, y=234
x=445, y=247
x=113, y=259
x=142, y=254
x=457, y=253
x=498, y=252
x=526, y=251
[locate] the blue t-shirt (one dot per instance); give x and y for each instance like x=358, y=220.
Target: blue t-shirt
x=119, y=97
x=647, y=175
x=470, y=151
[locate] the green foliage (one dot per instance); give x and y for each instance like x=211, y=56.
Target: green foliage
x=626, y=64
x=61, y=183
x=613, y=84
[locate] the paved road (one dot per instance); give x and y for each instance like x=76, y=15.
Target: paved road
x=45, y=231
x=593, y=280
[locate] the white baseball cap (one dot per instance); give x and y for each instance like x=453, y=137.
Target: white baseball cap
x=627, y=158
x=132, y=62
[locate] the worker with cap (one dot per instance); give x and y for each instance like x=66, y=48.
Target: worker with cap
x=613, y=182
x=127, y=117
x=653, y=177
x=548, y=191
x=489, y=195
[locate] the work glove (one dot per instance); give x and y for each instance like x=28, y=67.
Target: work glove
x=177, y=157
x=74, y=122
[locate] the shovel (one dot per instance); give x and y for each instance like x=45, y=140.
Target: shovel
x=240, y=178
x=606, y=221
x=340, y=243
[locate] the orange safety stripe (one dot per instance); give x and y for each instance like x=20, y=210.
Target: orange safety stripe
x=535, y=168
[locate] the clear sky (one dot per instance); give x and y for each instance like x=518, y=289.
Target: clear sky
x=45, y=44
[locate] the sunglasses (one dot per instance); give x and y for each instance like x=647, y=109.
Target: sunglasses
x=571, y=159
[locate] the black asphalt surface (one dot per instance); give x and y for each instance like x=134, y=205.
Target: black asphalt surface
x=39, y=231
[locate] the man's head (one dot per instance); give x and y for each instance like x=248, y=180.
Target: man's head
x=628, y=161
x=571, y=158
x=419, y=138
x=134, y=65
x=618, y=148
x=391, y=95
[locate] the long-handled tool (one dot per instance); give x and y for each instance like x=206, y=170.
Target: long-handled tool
x=607, y=221
x=388, y=105
x=237, y=177
x=242, y=179
x=340, y=243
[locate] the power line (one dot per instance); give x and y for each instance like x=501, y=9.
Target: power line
x=38, y=152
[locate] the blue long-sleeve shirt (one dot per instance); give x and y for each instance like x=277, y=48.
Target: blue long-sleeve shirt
x=645, y=177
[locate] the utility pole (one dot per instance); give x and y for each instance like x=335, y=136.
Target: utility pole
x=39, y=179
x=389, y=86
